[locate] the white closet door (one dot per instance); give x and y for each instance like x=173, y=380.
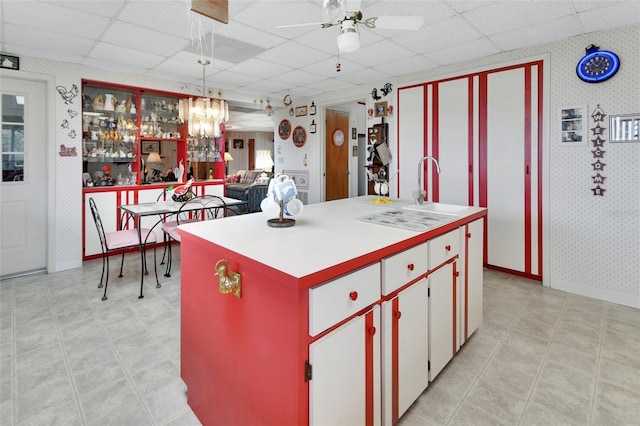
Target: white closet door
x=506, y=168
x=453, y=141
x=411, y=138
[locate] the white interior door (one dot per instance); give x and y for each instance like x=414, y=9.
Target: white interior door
x=23, y=194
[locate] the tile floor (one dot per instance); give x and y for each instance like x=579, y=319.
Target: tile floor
x=541, y=357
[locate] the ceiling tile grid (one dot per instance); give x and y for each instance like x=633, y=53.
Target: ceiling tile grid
x=252, y=58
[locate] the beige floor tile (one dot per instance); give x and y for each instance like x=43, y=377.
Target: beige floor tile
x=497, y=399
x=436, y=405
x=468, y=415
x=554, y=395
x=535, y=415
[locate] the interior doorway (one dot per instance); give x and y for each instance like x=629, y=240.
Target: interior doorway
x=337, y=155
x=23, y=204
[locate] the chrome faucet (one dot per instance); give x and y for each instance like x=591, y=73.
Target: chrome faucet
x=421, y=193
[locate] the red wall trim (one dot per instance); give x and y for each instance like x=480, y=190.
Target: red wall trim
x=435, y=141
x=527, y=171
x=466, y=282
x=482, y=152
x=540, y=66
x=456, y=277
x=470, y=137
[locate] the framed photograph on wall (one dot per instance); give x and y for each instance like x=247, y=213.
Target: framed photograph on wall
x=380, y=109
x=301, y=111
x=238, y=143
x=150, y=146
x=573, y=125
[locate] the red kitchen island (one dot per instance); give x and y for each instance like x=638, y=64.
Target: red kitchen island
x=343, y=318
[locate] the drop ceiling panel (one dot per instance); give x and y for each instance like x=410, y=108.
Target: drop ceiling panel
x=266, y=87
x=45, y=40
x=508, y=15
x=437, y=10
x=267, y=15
x=192, y=59
x=108, y=53
x=473, y=49
x=232, y=80
x=564, y=27
x=363, y=76
x=293, y=54
x=170, y=17
x=259, y=68
x=102, y=8
x=408, y=65
x=451, y=31
x=47, y=16
x=241, y=32
x=138, y=38
x=327, y=68
x=41, y=53
x=617, y=15
x=298, y=78
x=380, y=53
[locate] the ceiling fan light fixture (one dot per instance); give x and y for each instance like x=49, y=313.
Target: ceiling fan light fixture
x=348, y=39
x=333, y=10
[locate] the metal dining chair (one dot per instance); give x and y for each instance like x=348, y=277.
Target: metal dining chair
x=197, y=209
x=122, y=240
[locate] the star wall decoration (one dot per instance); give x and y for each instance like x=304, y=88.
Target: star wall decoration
x=598, y=178
x=598, y=114
x=598, y=141
x=598, y=165
x=598, y=191
x=598, y=130
x=598, y=153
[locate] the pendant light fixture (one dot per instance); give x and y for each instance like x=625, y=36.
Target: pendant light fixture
x=204, y=115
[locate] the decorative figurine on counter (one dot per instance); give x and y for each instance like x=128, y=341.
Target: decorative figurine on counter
x=210, y=173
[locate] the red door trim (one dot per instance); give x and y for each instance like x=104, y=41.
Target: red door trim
x=394, y=361
x=527, y=170
x=369, y=336
x=435, y=134
x=470, y=137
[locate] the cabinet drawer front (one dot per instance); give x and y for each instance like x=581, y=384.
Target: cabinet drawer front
x=443, y=248
x=331, y=302
x=399, y=269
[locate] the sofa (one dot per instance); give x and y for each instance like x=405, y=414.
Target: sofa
x=244, y=186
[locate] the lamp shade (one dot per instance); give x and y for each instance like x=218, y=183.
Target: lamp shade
x=263, y=160
x=227, y=157
x=154, y=157
x=349, y=39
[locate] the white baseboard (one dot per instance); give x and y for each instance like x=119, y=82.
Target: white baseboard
x=598, y=293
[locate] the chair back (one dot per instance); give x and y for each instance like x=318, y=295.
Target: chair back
x=204, y=207
x=96, y=218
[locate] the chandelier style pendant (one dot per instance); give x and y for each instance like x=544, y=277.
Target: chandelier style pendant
x=204, y=115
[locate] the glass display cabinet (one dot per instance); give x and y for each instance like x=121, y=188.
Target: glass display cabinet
x=109, y=135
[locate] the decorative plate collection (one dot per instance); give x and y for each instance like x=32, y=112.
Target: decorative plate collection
x=284, y=129
x=299, y=136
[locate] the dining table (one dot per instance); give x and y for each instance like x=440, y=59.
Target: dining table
x=164, y=210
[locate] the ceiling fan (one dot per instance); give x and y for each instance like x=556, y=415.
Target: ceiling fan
x=335, y=13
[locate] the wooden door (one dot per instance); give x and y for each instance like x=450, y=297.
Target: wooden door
x=337, y=155
x=251, y=145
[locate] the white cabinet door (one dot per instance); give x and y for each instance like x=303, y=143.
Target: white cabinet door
x=405, y=350
x=473, y=276
x=442, y=318
x=345, y=384
x=106, y=204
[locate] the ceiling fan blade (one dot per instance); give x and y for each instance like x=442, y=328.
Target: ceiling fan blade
x=409, y=23
x=321, y=24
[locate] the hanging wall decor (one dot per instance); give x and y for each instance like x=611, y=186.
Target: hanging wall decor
x=573, y=120
x=284, y=129
x=598, y=152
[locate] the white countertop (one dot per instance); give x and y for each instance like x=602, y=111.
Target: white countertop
x=325, y=234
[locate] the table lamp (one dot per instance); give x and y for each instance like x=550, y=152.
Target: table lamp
x=227, y=158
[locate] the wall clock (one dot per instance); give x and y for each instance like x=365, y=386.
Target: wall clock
x=337, y=137
x=597, y=65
